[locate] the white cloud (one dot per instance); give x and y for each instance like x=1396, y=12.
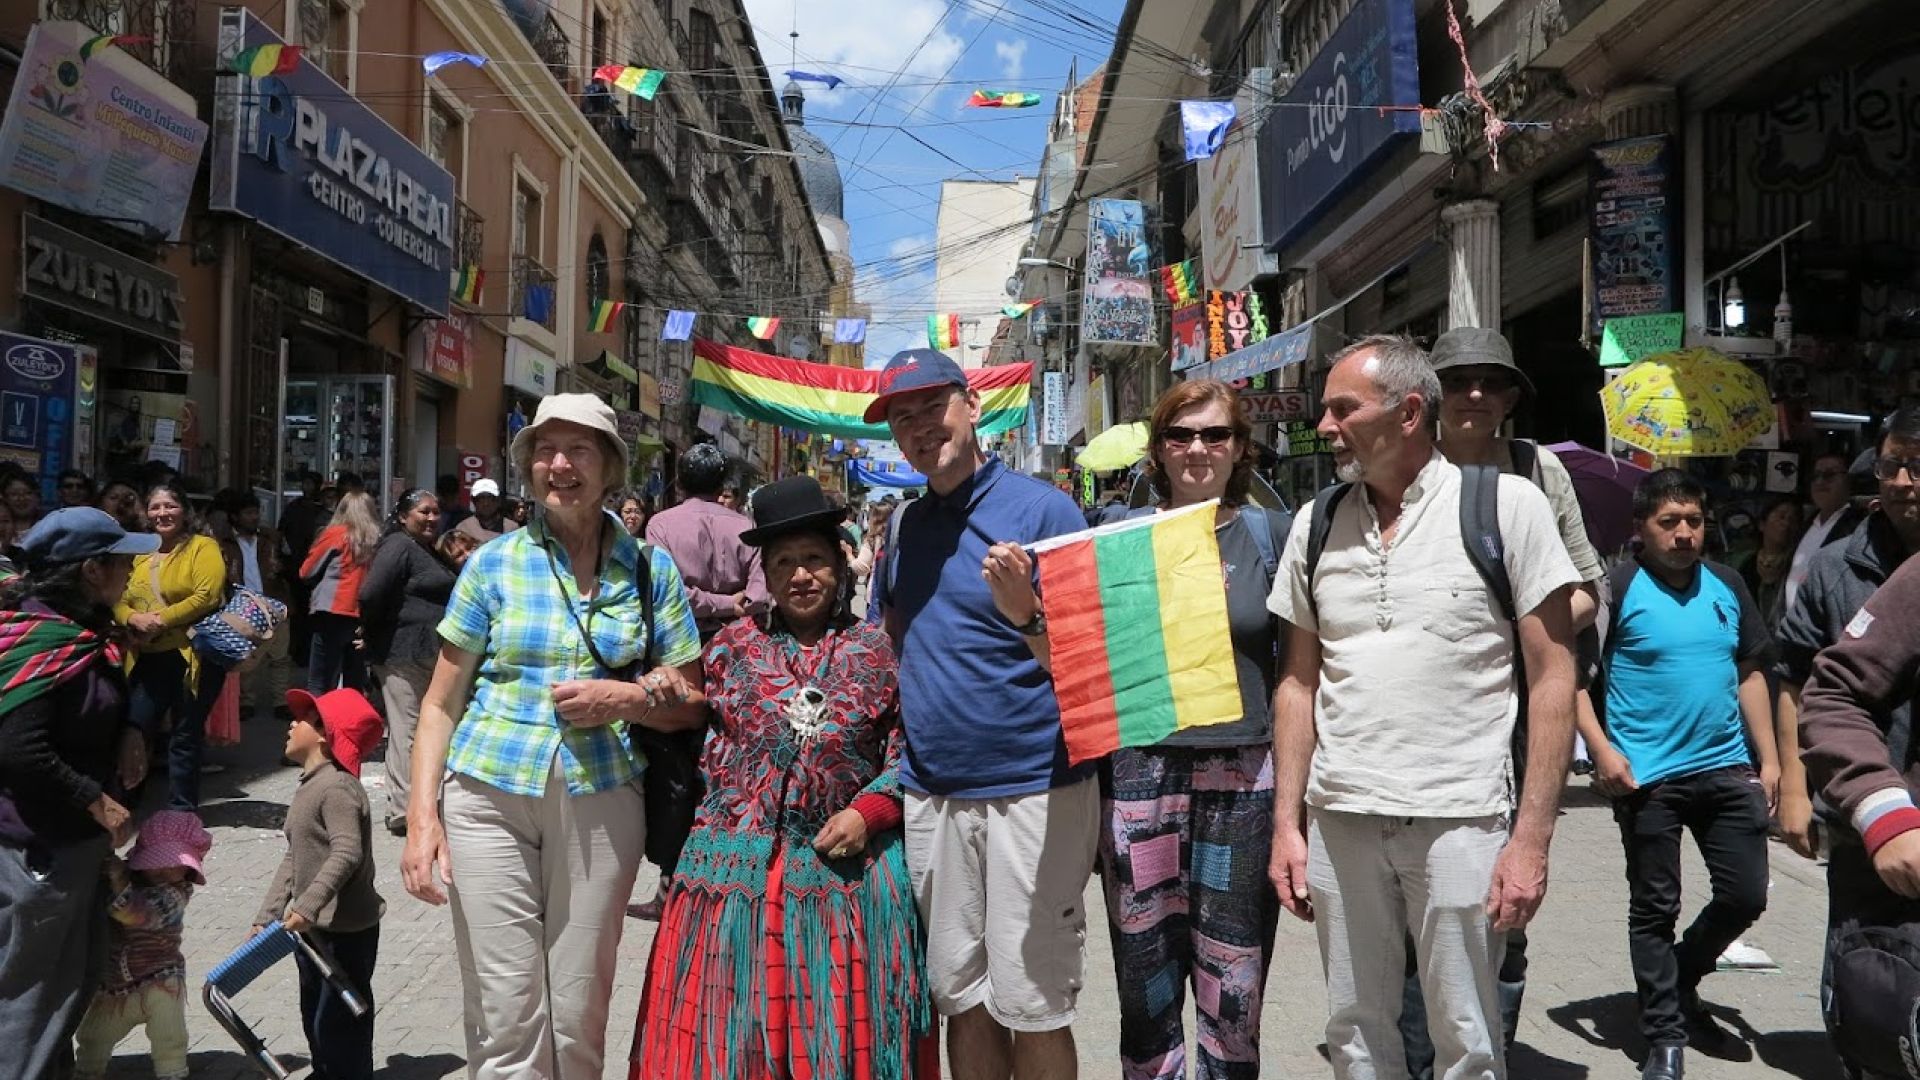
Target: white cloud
x=900, y=291
x=862, y=45
x=909, y=245
x=1013, y=57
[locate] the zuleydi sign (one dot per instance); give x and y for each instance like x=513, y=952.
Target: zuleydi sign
x=62, y=267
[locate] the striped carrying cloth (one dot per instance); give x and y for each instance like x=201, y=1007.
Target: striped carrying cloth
x=39, y=652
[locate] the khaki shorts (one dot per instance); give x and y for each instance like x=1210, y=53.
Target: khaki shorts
x=1001, y=885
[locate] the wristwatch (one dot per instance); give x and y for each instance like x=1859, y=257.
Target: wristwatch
x=1034, y=627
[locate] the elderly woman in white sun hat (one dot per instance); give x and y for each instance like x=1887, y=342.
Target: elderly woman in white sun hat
x=557, y=637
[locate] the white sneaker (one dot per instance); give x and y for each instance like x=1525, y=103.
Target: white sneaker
x=1741, y=956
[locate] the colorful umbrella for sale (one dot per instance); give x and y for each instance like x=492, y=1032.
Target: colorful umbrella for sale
x=1691, y=403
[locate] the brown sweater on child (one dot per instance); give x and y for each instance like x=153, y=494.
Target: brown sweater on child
x=327, y=875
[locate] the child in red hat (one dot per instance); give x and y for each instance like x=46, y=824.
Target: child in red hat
x=146, y=976
x=331, y=900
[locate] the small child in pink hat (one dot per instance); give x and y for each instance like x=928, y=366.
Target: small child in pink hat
x=146, y=976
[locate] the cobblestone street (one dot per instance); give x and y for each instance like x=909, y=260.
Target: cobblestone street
x=1579, y=1019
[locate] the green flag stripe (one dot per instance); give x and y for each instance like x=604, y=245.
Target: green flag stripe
x=1136, y=651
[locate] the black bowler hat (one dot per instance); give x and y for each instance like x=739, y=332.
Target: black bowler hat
x=795, y=504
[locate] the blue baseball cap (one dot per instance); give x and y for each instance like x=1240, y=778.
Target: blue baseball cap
x=78, y=533
x=913, y=369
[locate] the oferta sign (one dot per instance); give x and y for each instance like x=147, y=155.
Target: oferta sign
x=300, y=155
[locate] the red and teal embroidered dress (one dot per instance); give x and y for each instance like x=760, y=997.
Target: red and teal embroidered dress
x=773, y=961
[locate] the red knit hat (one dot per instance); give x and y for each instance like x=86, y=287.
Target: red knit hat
x=349, y=720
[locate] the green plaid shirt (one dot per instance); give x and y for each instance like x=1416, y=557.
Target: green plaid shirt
x=508, y=608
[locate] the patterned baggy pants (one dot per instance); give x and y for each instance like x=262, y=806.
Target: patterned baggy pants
x=1184, y=855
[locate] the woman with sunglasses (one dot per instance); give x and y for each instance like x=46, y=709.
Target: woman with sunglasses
x=1172, y=807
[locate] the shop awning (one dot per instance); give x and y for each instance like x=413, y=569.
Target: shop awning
x=617, y=366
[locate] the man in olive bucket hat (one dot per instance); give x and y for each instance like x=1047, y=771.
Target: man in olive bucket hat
x=1480, y=387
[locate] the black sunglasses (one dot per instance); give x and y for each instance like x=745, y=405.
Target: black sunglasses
x=1455, y=383
x=1180, y=437
x=1888, y=468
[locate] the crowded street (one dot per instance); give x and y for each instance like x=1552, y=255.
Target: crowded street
x=1580, y=1021
x=959, y=539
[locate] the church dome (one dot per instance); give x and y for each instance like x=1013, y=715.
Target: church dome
x=818, y=169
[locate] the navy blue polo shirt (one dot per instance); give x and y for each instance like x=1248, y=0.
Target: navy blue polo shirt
x=978, y=710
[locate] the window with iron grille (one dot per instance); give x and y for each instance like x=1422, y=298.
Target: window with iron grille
x=596, y=271
x=703, y=43
x=600, y=39
x=324, y=27
x=525, y=235
x=446, y=133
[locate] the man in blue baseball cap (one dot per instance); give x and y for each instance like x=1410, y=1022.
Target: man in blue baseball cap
x=985, y=771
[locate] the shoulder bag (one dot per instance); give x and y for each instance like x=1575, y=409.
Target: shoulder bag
x=672, y=787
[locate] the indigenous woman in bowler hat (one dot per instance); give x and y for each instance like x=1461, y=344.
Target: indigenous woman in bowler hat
x=790, y=944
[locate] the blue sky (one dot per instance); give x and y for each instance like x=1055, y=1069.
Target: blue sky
x=912, y=64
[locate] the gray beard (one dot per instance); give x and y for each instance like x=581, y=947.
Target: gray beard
x=1352, y=472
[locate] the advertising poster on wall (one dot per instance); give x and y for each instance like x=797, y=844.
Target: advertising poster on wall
x=1629, y=185
x=104, y=134
x=1234, y=321
x=1231, y=254
x=41, y=410
x=1189, y=336
x=1117, y=302
x=138, y=425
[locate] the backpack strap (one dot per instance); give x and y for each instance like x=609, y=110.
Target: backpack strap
x=1526, y=459
x=1324, y=505
x=1263, y=523
x=643, y=581
x=1480, y=532
x=893, y=544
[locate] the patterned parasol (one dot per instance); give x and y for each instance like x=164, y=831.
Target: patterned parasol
x=1691, y=403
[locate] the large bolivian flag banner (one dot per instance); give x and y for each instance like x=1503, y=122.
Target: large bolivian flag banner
x=1137, y=619
x=829, y=400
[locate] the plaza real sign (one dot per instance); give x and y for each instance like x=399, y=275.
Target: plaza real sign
x=300, y=155
x=1329, y=131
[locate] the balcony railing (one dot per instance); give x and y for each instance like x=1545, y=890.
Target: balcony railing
x=657, y=140
x=604, y=113
x=166, y=27
x=529, y=274
x=550, y=43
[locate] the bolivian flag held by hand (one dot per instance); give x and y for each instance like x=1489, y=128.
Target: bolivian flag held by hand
x=1137, y=619
x=1002, y=99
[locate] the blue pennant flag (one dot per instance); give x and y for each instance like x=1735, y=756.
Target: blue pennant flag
x=1204, y=126
x=833, y=81
x=537, y=304
x=678, y=327
x=435, y=61
x=849, y=331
